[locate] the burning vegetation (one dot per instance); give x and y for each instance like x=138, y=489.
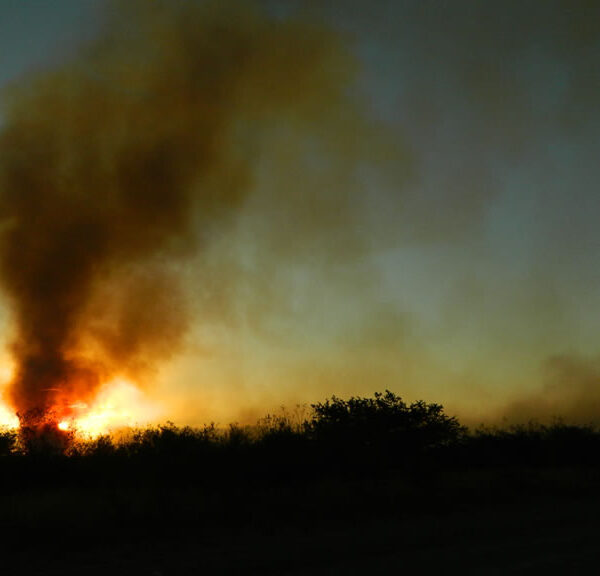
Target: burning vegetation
x=397, y=478
x=113, y=171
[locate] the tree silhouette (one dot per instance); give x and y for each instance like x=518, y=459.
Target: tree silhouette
x=384, y=426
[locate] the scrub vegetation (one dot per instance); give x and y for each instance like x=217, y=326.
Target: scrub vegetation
x=352, y=485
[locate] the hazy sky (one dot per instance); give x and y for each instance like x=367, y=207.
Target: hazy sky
x=435, y=232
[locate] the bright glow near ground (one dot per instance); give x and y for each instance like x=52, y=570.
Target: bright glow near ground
x=119, y=404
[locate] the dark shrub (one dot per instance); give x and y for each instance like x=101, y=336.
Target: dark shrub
x=385, y=425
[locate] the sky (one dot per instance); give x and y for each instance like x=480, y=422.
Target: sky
x=416, y=207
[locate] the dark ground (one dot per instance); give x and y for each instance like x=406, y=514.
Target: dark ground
x=491, y=521
x=408, y=491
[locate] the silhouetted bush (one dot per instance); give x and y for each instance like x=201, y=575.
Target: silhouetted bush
x=337, y=463
x=8, y=442
x=532, y=444
x=40, y=436
x=365, y=434
x=384, y=427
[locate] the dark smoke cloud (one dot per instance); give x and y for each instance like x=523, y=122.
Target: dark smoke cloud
x=116, y=166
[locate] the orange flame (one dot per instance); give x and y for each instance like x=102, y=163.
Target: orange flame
x=8, y=419
x=119, y=404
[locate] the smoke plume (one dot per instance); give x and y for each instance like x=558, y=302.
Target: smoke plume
x=116, y=167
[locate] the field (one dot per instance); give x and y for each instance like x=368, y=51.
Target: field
x=368, y=485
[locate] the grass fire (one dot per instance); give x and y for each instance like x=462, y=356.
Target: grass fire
x=225, y=224
x=118, y=404
x=407, y=481
x=111, y=171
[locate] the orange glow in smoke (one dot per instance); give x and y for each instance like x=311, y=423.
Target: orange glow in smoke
x=119, y=404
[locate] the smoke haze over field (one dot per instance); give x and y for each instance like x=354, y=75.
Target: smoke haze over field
x=116, y=166
x=261, y=204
